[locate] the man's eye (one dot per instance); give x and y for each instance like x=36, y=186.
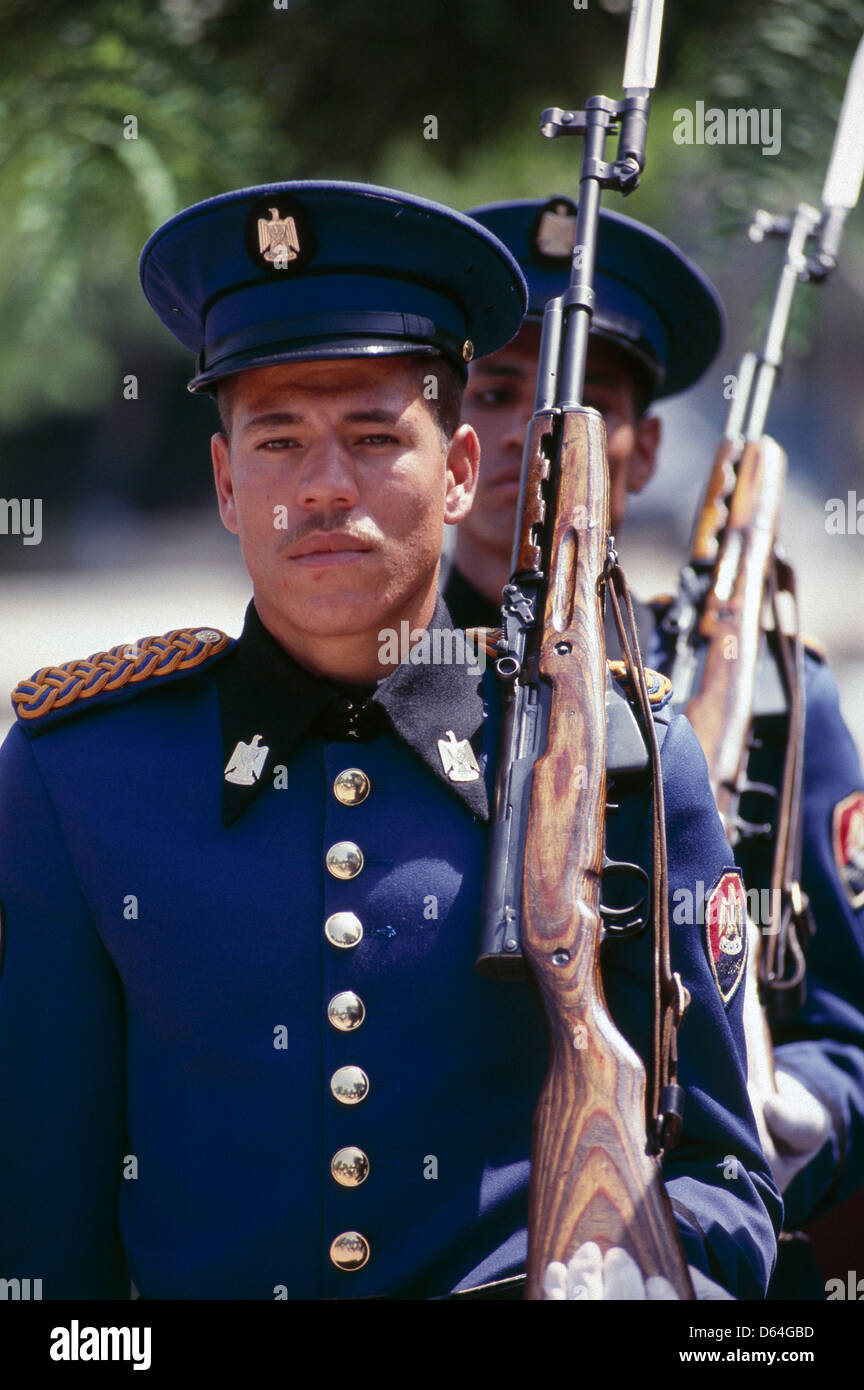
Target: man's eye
x=275, y=445
x=491, y=397
x=379, y=440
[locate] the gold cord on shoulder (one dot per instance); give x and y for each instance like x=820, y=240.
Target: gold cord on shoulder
x=56, y=687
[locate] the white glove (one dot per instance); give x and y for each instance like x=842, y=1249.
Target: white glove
x=590, y=1276
x=798, y=1124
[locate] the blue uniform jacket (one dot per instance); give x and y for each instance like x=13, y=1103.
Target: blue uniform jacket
x=823, y=1043
x=186, y=980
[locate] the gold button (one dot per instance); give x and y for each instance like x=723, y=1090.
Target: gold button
x=350, y=1085
x=344, y=929
x=346, y=1011
x=349, y=1251
x=351, y=786
x=349, y=1167
x=344, y=859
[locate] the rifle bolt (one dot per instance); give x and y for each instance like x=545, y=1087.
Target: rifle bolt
x=563, y=648
x=561, y=958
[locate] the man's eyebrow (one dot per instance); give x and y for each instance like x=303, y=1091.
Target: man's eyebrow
x=369, y=416
x=273, y=417
x=373, y=416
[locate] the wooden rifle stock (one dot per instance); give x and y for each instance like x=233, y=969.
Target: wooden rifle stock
x=731, y=621
x=736, y=531
x=715, y=507
x=592, y=1178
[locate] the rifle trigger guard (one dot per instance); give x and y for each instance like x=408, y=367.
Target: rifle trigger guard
x=750, y=830
x=626, y=923
x=782, y=972
x=748, y=788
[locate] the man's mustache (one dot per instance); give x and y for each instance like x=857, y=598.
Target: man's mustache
x=367, y=531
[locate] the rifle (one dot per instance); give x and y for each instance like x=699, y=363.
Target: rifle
x=738, y=655
x=594, y=1177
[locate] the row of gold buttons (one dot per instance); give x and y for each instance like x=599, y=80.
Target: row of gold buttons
x=346, y=1011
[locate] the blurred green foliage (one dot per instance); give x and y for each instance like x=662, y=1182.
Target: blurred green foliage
x=232, y=92
x=79, y=198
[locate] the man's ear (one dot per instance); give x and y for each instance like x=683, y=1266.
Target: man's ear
x=463, y=466
x=220, y=453
x=643, y=461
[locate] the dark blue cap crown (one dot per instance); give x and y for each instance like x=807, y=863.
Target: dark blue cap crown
x=651, y=300
x=297, y=271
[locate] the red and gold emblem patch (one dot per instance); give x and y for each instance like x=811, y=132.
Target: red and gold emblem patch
x=847, y=838
x=726, y=932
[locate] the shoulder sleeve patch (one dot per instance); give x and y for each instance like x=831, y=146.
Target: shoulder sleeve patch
x=659, y=686
x=57, y=687
x=726, y=932
x=847, y=837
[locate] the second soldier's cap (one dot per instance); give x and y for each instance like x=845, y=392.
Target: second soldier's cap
x=651, y=300
x=291, y=272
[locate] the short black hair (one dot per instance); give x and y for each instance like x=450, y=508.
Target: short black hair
x=445, y=404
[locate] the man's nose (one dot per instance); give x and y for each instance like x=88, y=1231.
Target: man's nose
x=328, y=477
x=517, y=425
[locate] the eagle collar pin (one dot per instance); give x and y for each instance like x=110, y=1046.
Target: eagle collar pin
x=247, y=762
x=457, y=758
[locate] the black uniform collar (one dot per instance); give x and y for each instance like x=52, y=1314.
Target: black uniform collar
x=264, y=691
x=468, y=607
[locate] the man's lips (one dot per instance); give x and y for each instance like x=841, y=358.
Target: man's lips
x=505, y=483
x=328, y=549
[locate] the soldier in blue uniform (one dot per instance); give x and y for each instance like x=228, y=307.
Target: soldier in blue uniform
x=657, y=327
x=246, y=1052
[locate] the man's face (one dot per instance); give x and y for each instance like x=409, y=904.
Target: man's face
x=499, y=402
x=338, y=482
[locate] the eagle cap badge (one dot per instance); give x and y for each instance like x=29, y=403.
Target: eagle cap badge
x=278, y=233
x=278, y=241
x=555, y=235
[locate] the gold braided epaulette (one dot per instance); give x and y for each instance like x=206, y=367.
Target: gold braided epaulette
x=659, y=686
x=815, y=648
x=485, y=637
x=57, y=687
